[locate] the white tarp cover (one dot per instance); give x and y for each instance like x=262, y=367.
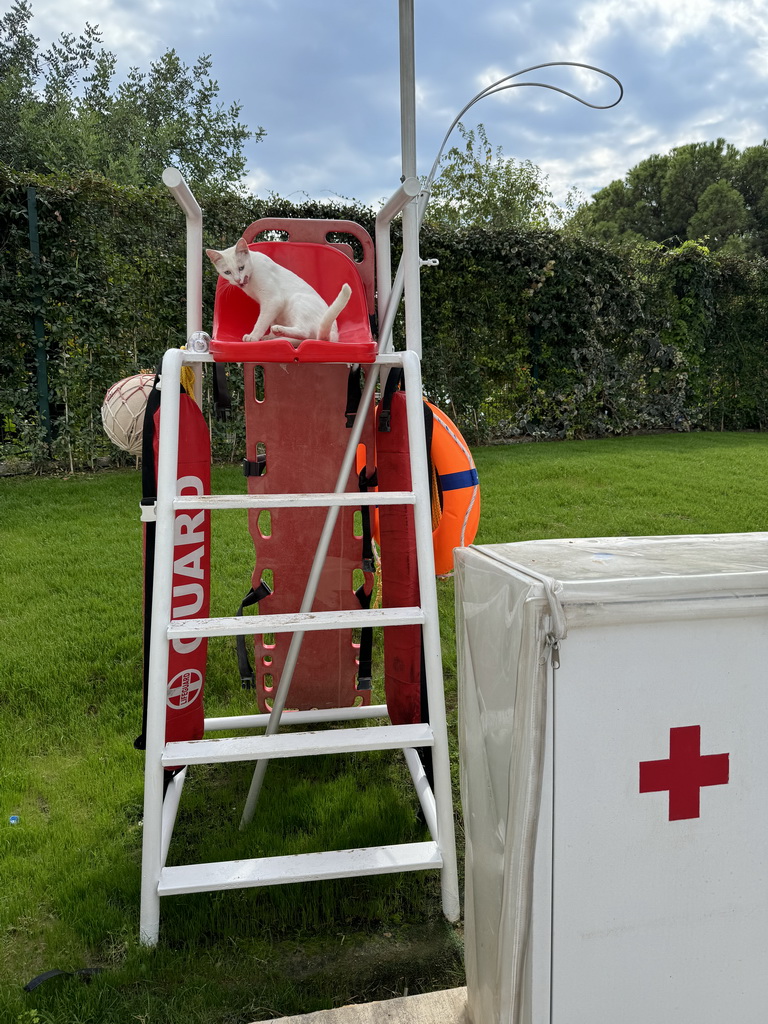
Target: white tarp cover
x=512, y=602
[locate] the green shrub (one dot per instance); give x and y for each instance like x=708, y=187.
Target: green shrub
x=526, y=333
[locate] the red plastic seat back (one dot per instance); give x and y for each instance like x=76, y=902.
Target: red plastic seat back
x=326, y=232
x=326, y=266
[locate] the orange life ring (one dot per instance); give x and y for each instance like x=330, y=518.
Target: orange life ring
x=459, y=491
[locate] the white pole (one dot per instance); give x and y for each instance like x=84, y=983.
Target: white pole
x=408, y=141
x=174, y=180
x=152, y=840
x=433, y=662
x=409, y=189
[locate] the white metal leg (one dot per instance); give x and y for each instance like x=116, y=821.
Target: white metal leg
x=170, y=810
x=152, y=840
x=431, y=632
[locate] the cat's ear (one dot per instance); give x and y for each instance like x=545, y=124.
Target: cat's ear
x=214, y=255
x=242, y=245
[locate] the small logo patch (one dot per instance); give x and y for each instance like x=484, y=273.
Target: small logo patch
x=184, y=689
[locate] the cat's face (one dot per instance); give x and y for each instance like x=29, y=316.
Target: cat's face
x=234, y=264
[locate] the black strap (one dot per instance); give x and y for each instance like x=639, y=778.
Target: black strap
x=222, y=402
x=354, y=394
x=84, y=973
x=255, y=468
x=365, y=652
x=148, y=471
x=247, y=677
x=395, y=379
x=148, y=497
x=364, y=482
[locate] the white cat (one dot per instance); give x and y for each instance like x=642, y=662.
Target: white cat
x=289, y=307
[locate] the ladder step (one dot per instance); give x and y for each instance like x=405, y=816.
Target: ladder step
x=303, y=744
x=346, y=499
x=294, y=622
x=305, y=867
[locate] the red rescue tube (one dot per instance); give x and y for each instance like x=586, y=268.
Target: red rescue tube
x=191, y=569
x=399, y=571
x=184, y=713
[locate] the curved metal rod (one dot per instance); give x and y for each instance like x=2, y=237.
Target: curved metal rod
x=500, y=86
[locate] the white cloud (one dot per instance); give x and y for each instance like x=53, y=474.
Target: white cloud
x=664, y=24
x=324, y=81
x=258, y=181
x=137, y=32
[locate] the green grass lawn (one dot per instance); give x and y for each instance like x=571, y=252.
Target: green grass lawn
x=70, y=671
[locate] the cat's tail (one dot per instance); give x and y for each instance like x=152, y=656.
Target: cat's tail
x=326, y=324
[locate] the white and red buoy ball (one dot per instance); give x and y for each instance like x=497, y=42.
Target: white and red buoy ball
x=123, y=411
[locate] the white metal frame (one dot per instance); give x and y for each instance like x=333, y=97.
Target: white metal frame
x=159, y=814
x=437, y=805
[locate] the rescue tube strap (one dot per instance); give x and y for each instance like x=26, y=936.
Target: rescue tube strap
x=394, y=379
x=222, y=401
x=364, y=482
x=148, y=494
x=354, y=394
x=247, y=676
x=84, y=973
x=455, y=481
x=365, y=653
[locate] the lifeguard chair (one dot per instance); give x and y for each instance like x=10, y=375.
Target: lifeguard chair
x=298, y=415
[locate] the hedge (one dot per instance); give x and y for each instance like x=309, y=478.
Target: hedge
x=527, y=334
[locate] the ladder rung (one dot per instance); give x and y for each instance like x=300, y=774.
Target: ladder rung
x=294, y=622
x=346, y=499
x=304, y=867
x=297, y=744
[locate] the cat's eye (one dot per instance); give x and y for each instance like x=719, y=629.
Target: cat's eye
x=228, y=273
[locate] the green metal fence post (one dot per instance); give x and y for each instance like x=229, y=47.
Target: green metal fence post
x=41, y=356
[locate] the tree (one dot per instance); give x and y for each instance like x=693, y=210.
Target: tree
x=478, y=186
x=704, y=190
x=707, y=190
x=721, y=215
x=61, y=111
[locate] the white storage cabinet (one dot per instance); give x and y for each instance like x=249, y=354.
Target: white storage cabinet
x=616, y=804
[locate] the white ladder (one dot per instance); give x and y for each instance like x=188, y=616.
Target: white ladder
x=160, y=812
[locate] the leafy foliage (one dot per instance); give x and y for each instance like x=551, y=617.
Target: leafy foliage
x=528, y=333
x=112, y=286
x=61, y=111
x=478, y=186
x=704, y=190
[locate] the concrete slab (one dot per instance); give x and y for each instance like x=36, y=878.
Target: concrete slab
x=447, y=1007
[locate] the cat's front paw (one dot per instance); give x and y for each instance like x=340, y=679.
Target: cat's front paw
x=251, y=337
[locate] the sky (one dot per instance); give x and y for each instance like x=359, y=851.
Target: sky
x=322, y=78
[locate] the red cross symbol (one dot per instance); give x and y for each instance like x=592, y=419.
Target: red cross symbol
x=684, y=772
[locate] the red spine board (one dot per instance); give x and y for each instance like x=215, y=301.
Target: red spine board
x=299, y=420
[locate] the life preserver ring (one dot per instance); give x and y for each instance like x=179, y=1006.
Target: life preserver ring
x=459, y=491
x=456, y=498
